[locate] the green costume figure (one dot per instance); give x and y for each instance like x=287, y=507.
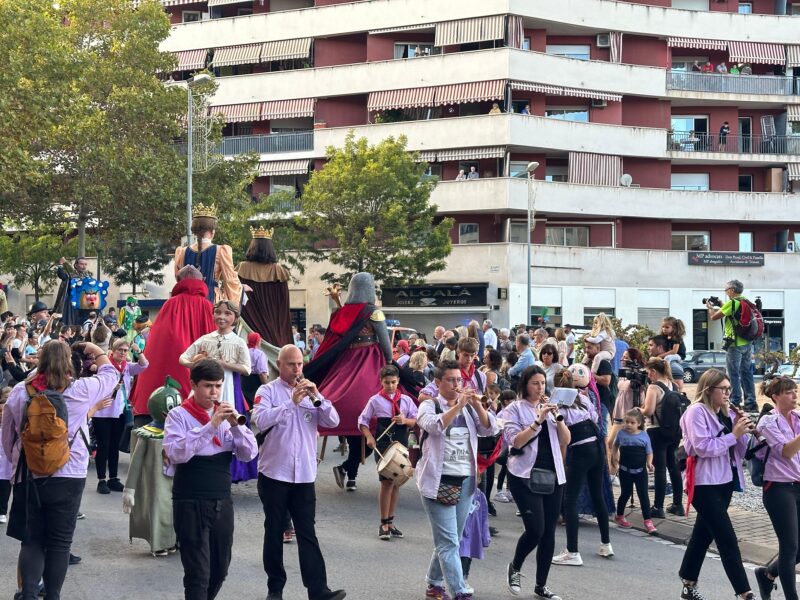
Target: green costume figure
x=147, y=496
x=128, y=315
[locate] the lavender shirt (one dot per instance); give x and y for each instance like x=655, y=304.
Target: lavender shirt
x=118, y=403
x=258, y=361
x=289, y=452
x=429, y=467
x=701, y=438
x=518, y=415
x=378, y=407
x=778, y=432
x=185, y=438
x=6, y=468
x=79, y=396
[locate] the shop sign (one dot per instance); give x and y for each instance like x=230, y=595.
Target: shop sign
x=726, y=259
x=432, y=296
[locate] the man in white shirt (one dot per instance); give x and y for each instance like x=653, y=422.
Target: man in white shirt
x=570, y=343
x=489, y=336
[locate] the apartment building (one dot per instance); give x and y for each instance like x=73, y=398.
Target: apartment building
x=659, y=178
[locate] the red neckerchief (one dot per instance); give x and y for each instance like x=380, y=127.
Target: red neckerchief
x=691, y=465
x=395, y=401
x=199, y=413
x=39, y=382
x=119, y=366
x=468, y=374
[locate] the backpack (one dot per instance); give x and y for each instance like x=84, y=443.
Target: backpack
x=757, y=460
x=669, y=411
x=748, y=321
x=44, y=431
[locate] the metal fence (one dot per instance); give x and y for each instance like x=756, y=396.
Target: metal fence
x=730, y=84
x=690, y=141
x=267, y=144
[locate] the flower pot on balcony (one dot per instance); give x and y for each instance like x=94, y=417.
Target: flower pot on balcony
x=320, y=125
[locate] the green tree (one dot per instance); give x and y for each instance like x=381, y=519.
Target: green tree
x=30, y=257
x=373, y=203
x=135, y=262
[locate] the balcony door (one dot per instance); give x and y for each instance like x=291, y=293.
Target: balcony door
x=745, y=134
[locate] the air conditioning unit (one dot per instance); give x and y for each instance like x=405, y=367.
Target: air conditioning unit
x=597, y=103
x=603, y=40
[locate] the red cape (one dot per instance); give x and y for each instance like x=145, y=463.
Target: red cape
x=186, y=316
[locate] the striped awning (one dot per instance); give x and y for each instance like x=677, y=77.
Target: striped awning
x=581, y=93
x=471, y=153
x=557, y=90
x=479, y=91
x=757, y=52
x=793, y=56
x=594, y=169
x=224, y=2
x=287, y=109
x=402, y=28
x=179, y=2
x=283, y=167
x=793, y=112
x=238, y=113
x=286, y=49
x=248, y=54
x=470, y=31
x=794, y=171
x=426, y=156
x=191, y=60
x=696, y=43
x=408, y=98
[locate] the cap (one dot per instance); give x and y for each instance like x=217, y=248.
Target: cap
x=37, y=306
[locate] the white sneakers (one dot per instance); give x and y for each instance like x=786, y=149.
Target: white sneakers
x=572, y=559
x=503, y=496
x=606, y=551
x=3, y=519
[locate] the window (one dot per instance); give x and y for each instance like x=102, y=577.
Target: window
x=191, y=16
x=566, y=236
x=243, y=12
x=685, y=63
x=517, y=231
x=691, y=4
x=556, y=173
x=687, y=123
x=794, y=128
x=414, y=50
x=745, y=241
x=468, y=233
x=570, y=51
x=652, y=317
x=745, y=8
x=579, y=114
x=795, y=10
x=243, y=128
x=518, y=105
x=546, y=316
x=689, y=181
x=745, y=183
x=526, y=43
x=519, y=169
x=433, y=171
x=691, y=240
x=589, y=313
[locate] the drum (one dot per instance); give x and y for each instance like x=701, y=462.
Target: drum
x=395, y=464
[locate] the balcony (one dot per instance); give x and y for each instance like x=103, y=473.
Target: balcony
x=267, y=144
x=731, y=84
x=688, y=142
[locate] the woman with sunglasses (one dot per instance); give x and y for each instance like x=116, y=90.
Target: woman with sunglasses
x=548, y=360
x=715, y=437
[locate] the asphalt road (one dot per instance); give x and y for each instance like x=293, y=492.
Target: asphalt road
x=113, y=569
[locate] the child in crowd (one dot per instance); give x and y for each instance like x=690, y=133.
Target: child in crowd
x=503, y=495
x=674, y=330
x=602, y=333
x=395, y=414
x=476, y=535
x=492, y=395
x=633, y=459
x=5, y=464
x=449, y=350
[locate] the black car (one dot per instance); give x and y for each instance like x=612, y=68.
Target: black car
x=700, y=361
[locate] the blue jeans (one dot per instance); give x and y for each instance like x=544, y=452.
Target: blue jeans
x=740, y=371
x=603, y=424
x=447, y=524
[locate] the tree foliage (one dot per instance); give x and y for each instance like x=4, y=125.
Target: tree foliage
x=29, y=257
x=372, y=203
x=136, y=262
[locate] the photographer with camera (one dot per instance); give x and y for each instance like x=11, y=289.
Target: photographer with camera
x=739, y=364
x=632, y=386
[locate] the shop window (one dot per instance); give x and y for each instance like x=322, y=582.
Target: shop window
x=468, y=233
x=589, y=313
x=567, y=236
x=695, y=241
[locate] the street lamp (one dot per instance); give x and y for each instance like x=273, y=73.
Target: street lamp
x=190, y=83
x=532, y=166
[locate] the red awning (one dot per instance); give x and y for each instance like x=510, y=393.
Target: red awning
x=461, y=93
x=470, y=31
x=697, y=43
x=191, y=60
x=594, y=169
x=757, y=52
x=248, y=54
x=238, y=113
x=557, y=90
x=283, y=167
x=287, y=109
x=793, y=112
x=408, y=98
x=471, y=153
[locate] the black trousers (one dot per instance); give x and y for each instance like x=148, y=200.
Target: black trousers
x=354, y=455
x=108, y=432
x=782, y=501
x=539, y=515
x=204, y=529
x=49, y=527
x=585, y=463
x=300, y=500
x=5, y=494
x=713, y=524
x=466, y=563
x=664, y=463
x=626, y=483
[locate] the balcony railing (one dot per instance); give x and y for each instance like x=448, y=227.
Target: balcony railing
x=730, y=84
x=688, y=141
x=267, y=144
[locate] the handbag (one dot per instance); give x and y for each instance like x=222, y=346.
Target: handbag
x=542, y=481
x=449, y=492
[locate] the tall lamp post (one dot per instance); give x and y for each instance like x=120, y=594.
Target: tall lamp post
x=532, y=166
x=191, y=83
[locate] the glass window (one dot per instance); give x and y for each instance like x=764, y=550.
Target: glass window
x=589, y=313
x=243, y=12
x=566, y=236
x=414, y=50
x=794, y=127
x=685, y=63
x=579, y=52
x=745, y=241
x=745, y=8
x=191, y=16
x=696, y=241
x=468, y=233
x=546, y=316
x=518, y=168
x=689, y=181
x=526, y=43
x=578, y=114
x=557, y=174
x=517, y=231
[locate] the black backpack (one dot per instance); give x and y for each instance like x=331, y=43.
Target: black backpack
x=669, y=411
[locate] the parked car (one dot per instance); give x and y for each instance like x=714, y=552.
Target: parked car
x=700, y=361
x=399, y=333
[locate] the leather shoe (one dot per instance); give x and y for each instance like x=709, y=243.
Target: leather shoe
x=74, y=560
x=335, y=595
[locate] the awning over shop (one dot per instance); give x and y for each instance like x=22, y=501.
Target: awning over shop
x=794, y=171
x=286, y=49
x=283, y=167
x=793, y=56
x=408, y=98
x=238, y=113
x=470, y=31
x=461, y=93
x=757, y=52
x=696, y=43
x=248, y=54
x=793, y=112
x=594, y=169
x=557, y=90
x=471, y=153
x=287, y=109
x=191, y=60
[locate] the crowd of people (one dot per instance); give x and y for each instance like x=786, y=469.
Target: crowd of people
x=546, y=416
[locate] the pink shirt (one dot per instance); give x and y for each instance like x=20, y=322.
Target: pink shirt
x=289, y=451
x=79, y=396
x=379, y=407
x=778, y=432
x=701, y=438
x=185, y=438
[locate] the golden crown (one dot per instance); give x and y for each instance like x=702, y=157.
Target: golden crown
x=201, y=210
x=261, y=233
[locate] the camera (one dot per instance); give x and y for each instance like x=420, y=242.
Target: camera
x=634, y=372
x=727, y=342
x=713, y=299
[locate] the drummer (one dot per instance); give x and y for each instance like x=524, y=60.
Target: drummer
x=395, y=414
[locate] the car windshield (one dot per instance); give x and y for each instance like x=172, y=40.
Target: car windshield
x=690, y=356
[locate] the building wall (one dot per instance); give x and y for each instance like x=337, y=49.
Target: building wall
x=340, y=50
x=645, y=112
x=643, y=50
x=342, y=112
